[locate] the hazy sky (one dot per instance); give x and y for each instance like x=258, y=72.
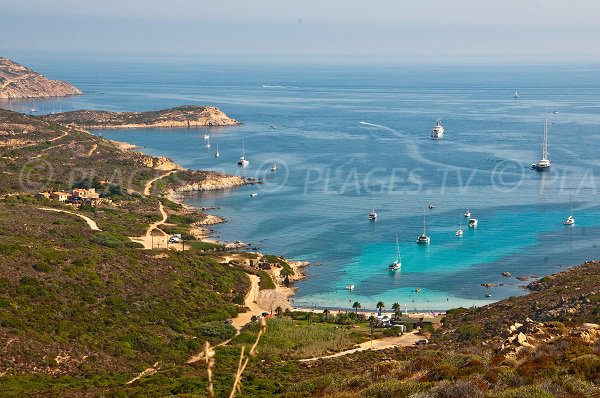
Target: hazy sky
x=512, y=29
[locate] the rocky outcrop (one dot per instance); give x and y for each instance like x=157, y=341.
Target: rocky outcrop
x=18, y=81
x=160, y=163
x=184, y=116
x=212, y=182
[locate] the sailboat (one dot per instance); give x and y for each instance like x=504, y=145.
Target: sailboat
x=570, y=220
x=273, y=167
x=207, y=144
x=243, y=161
x=516, y=95
x=33, y=108
x=397, y=264
x=217, y=154
x=206, y=136
x=423, y=239
x=544, y=163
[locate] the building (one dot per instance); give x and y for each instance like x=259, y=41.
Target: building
x=85, y=194
x=60, y=196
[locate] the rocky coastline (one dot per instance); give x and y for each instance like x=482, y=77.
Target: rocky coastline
x=187, y=116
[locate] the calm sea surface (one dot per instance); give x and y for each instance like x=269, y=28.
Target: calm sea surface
x=350, y=138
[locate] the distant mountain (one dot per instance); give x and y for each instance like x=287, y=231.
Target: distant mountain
x=18, y=81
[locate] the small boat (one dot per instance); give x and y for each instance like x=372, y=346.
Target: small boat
x=430, y=206
x=207, y=144
x=544, y=163
x=459, y=231
x=350, y=287
x=555, y=112
x=373, y=215
x=473, y=222
x=243, y=161
x=217, y=154
x=253, y=194
x=206, y=136
x=516, y=95
x=397, y=264
x=273, y=167
x=418, y=290
x=570, y=220
x=468, y=213
x=488, y=295
x=438, y=131
x=423, y=239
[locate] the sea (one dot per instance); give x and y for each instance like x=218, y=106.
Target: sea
x=351, y=137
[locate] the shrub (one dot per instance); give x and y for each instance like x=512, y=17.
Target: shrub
x=586, y=365
x=394, y=389
x=528, y=391
x=215, y=331
x=469, y=331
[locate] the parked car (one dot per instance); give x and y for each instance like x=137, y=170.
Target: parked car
x=422, y=342
x=175, y=238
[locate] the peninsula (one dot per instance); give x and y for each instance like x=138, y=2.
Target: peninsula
x=183, y=116
x=18, y=81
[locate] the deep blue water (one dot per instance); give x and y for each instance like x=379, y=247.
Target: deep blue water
x=347, y=138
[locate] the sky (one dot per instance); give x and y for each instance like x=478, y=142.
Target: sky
x=544, y=30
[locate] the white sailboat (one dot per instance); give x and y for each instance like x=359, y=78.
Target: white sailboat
x=544, y=163
x=397, y=264
x=217, y=154
x=207, y=144
x=570, y=220
x=206, y=136
x=273, y=167
x=473, y=222
x=516, y=95
x=243, y=161
x=423, y=239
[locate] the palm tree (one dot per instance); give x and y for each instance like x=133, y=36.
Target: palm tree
x=396, y=308
x=325, y=312
x=356, y=306
x=380, y=306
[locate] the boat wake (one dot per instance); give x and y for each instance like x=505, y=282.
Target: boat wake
x=269, y=86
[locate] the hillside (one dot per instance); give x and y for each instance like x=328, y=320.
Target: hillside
x=183, y=116
x=38, y=155
x=18, y=81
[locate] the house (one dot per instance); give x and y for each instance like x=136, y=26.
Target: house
x=42, y=195
x=85, y=194
x=60, y=196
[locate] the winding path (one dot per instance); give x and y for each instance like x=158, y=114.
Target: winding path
x=148, y=186
x=148, y=240
x=89, y=221
x=243, y=318
x=405, y=340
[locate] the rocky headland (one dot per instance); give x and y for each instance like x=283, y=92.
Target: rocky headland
x=183, y=116
x=18, y=81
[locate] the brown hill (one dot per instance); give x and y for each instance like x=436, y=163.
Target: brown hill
x=18, y=81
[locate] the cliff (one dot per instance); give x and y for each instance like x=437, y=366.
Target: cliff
x=18, y=81
x=183, y=116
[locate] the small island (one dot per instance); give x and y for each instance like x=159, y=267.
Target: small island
x=186, y=116
x=18, y=81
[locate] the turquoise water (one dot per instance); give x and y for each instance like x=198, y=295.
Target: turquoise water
x=348, y=138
